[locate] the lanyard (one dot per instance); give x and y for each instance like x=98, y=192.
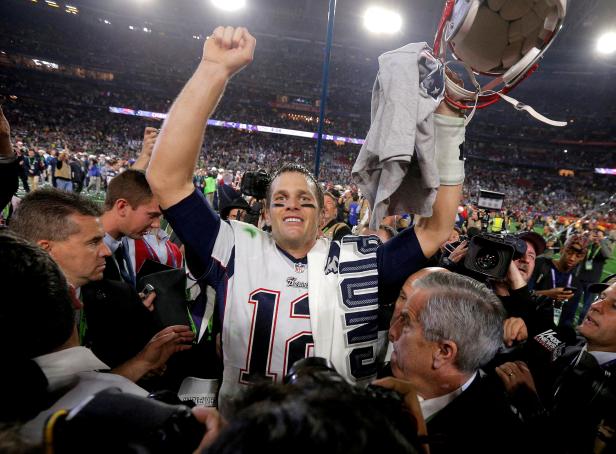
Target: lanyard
x=83, y=325
x=154, y=256
x=588, y=255
x=554, y=279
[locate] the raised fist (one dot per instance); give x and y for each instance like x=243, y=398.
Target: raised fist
x=149, y=139
x=231, y=48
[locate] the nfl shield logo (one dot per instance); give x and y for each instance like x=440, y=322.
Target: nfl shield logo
x=300, y=267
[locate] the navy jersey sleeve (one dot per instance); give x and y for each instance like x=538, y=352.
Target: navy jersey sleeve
x=197, y=226
x=397, y=259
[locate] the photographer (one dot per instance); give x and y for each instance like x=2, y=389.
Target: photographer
x=575, y=377
x=535, y=310
x=599, y=251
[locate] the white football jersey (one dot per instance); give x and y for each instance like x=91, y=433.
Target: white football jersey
x=266, y=325
x=267, y=320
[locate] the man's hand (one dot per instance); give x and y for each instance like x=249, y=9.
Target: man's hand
x=558, y=293
x=459, y=252
x=514, y=330
x=409, y=394
x=148, y=301
x=231, y=48
x=164, y=344
x=149, y=139
x=214, y=423
x=514, y=277
x=156, y=353
x=516, y=374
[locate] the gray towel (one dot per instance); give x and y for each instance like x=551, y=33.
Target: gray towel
x=395, y=168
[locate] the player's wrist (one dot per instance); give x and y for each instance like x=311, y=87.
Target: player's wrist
x=213, y=70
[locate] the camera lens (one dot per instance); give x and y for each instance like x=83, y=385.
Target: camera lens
x=487, y=259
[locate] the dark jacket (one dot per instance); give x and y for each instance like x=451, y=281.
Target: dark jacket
x=118, y=324
x=478, y=420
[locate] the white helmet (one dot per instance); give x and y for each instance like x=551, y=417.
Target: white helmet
x=503, y=39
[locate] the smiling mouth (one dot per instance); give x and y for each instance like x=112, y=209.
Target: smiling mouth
x=590, y=321
x=292, y=220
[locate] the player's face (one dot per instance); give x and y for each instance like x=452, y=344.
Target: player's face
x=293, y=212
x=411, y=358
x=599, y=326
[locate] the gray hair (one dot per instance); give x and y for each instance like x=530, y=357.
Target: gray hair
x=466, y=312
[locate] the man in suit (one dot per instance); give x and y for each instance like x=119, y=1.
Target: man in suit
x=111, y=318
x=445, y=327
x=131, y=210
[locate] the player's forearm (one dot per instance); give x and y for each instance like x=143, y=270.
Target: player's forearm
x=449, y=131
x=435, y=230
x=177, y=148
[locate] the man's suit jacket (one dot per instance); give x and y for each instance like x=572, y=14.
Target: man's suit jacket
x=118, y=324
x=111, y=270
x=478, y=420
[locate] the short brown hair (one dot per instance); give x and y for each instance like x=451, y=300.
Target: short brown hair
x=44, y=214
x=132, y=186
x=297, y=168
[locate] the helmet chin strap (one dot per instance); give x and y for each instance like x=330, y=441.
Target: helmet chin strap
x=532, y=112
x=457, y=96
x=458, y=19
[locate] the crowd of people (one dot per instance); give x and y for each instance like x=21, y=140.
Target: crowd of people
x=191, y=294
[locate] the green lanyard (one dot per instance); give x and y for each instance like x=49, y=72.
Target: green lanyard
x=83, y=326
x=588, y=257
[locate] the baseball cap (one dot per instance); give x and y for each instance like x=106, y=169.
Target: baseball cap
x=598, y=287
x=239, y=202
x=535, y=239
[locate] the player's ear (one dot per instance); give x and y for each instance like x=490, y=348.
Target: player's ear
x=266, y=216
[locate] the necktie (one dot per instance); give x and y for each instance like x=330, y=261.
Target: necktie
x=120, y=258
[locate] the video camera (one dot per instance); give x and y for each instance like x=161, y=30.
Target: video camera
x=255, y=184
x=490, y=254
x=143, y=425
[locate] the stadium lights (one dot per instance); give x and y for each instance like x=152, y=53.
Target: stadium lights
x=130, y=27
x=106, y=22
x=229, y=5
x=606, y=44
x=71, y=9
x=52, y=4
x=381, y=20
